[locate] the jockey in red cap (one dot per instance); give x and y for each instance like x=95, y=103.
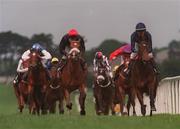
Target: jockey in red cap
x=64, y=46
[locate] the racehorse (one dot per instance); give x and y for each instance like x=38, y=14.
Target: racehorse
x=103, y=91
x=54, y=92
x=122, y=88
x=143, y=77
x=21, y=92
x=21, y=89
x=73, y=76
x=37, y=83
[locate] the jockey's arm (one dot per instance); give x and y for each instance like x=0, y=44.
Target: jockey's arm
x=62, y=45
x=150, y=42
x=25, y=55
x=133, y=42
x=107, y=64
x=83, y=45
x=95, y=68
x=20, y=68
x=46, y=55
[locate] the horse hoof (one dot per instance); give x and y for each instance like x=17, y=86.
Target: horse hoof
x=113, y=113
x=143, y=110
x=124, y=114
x=69, y=106
x=134, y=113
x=83, y=113
x=44, y=112
x=61, y=112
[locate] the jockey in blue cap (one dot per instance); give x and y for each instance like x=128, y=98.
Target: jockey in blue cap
x=22, y=70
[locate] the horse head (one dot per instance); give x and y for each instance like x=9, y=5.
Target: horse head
x=143, y=51
x=102, y=78
x=34, y=60
x=55, y=77
x=74, y=52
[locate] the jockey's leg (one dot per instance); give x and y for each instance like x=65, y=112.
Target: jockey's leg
x=25, y=76
x=116, y=75
x=128, y=71
x=17, y=79
x=153, y=63
x=48, y=76
x=83, y=64
x=131, y=64
x=62, y=63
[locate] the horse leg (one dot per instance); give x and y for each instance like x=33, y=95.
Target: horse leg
x=128, y=105
x=61, y=106
x=140, y=98
x=152, y=95
x=67, y=98
x=131, y=101
x=52, y=107
x=44, y=106
x=98, y=100
x=121, y=98
x=21, y=105
x=17, y=93
x=82, y=98
x=97, y=107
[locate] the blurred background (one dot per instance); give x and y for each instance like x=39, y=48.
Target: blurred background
x=105, y=25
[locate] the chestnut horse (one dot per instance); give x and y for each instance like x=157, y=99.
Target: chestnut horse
x=21, y=92
x=73, y=77
x=54, y=92
x=143, y=78
x=103, y=91
x=37, y=83
x=122, y=88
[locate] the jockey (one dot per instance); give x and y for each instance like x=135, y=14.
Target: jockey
x=124, y=52
x=64, y=46
x=141, y=34
x=100, y=58
x=22, y=69
x=54, y=62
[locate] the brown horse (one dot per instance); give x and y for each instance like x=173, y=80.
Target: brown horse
x=21, y=92
x=37, y=83
x=143, y=78
x=73, y=77
x=54, y=92
x=103, y=91
x=122, y=88
x=21, y=89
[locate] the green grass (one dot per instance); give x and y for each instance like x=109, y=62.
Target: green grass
x=11, y=119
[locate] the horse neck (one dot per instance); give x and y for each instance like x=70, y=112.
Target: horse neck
x=74, y=66
x=142, y=67
x=36, y=72
x=54, y=75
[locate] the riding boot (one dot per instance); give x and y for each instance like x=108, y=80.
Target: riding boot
x=153, y=63
x=62, y=64
x=116, y=75
x=25, y=77
x=48, y=74
x=83, y=64
x=17, y=79
x=128, y=71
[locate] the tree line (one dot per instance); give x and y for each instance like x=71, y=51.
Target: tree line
x=12, y=45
